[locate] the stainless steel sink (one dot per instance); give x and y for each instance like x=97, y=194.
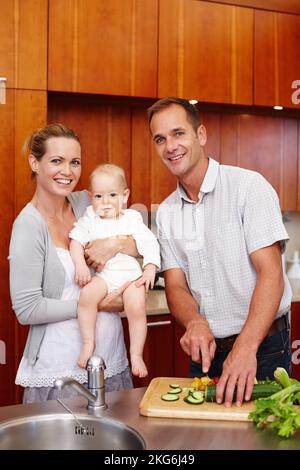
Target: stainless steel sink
x=62, y=431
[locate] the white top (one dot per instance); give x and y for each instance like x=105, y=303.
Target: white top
x=92, y=227
x=211, y=241
x=61, y=344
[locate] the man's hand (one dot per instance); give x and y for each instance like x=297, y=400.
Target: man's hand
x=199, y=342
x=113, y=302
x=148, y=277
x=239, y=370
x=98, y=252
x=82, y=274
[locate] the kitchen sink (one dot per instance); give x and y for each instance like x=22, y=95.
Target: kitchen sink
x=63, y=431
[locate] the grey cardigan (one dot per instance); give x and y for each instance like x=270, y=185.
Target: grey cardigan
x=37, y=276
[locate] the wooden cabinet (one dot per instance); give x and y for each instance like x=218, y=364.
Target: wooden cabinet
x=24, y=111
x=103, y=47
x=289, y=6
x=267, y=145
x=23, y=43
x=7, y=360
x=158, y=350
x=295, y=339
x=181, y=359
x=276, y=58
x=205, y=51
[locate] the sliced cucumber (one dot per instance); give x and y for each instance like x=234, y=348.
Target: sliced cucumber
x=174, y=386
x=198, y=395
x=170, y=397
x=175, y=390
x=193, y=401
x=189, y=389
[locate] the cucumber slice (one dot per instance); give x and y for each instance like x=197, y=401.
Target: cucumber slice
x=175, y=390
x=198, y=395
x=174, y=386
x=170, y=397
x=193, y=401
x=189, y=389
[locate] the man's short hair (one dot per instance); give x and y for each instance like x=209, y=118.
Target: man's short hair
x=192, y=112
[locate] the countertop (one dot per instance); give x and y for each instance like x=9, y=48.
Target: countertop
x=167, y=433
x=156, y=303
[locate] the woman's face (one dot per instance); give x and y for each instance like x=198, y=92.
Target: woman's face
x=59, y=169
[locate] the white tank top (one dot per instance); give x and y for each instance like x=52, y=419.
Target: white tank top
x=62, y=343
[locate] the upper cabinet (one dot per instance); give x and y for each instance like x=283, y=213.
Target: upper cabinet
x=101, y=46
x=205, y=51
x=276, y=59
x=23, y=43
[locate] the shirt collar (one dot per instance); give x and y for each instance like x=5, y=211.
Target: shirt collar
x=208, y=184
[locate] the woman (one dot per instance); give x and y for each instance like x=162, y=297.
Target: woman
x=43, y=291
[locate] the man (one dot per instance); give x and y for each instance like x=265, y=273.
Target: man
x=221, y=237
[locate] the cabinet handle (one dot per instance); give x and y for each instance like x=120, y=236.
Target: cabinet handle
x=3, y=90
x=159, y=323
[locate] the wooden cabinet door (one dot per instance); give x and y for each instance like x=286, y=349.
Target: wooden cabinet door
x=181, y=359
x=7, y=359
x=23, y=43
x=100, y=46
x=276, y=58
x=158, y=350
x=24, y=111
x=267, y=145
x=205, y=51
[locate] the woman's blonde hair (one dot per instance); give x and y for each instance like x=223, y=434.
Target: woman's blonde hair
x=36, y=142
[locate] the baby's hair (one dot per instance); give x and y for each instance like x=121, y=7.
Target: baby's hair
x=110, y=169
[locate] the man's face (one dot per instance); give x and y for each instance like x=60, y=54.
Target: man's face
x=177, y=143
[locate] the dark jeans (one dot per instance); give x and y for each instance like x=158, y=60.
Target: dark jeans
x=274, y=351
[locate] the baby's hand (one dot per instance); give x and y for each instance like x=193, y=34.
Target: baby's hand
x=147, y=277
x=82, y=275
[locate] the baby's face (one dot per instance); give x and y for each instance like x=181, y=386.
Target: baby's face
x=108, y=195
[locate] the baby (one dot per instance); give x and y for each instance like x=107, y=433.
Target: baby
x=107, y=218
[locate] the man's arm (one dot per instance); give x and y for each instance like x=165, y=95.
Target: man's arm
x=239, y=369
x=98, y=252
x=198, y=337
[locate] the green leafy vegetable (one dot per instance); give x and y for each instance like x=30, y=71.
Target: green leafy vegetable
x=278, y=410
x=282, y=377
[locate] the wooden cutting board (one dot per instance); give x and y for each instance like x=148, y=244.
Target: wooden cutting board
x=152, y=404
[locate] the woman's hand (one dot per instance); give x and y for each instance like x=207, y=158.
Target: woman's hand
x=98, y=252
x=113, y=302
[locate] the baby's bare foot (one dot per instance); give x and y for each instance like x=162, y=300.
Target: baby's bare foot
x=138, y=366
x=85, y=353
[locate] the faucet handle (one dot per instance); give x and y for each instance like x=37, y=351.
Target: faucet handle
x=95, y=362
x=95, y=369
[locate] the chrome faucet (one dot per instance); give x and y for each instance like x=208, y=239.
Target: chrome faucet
x=95, y=391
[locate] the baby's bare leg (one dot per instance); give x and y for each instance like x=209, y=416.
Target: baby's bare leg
x=90, y=295
x=135, y=308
